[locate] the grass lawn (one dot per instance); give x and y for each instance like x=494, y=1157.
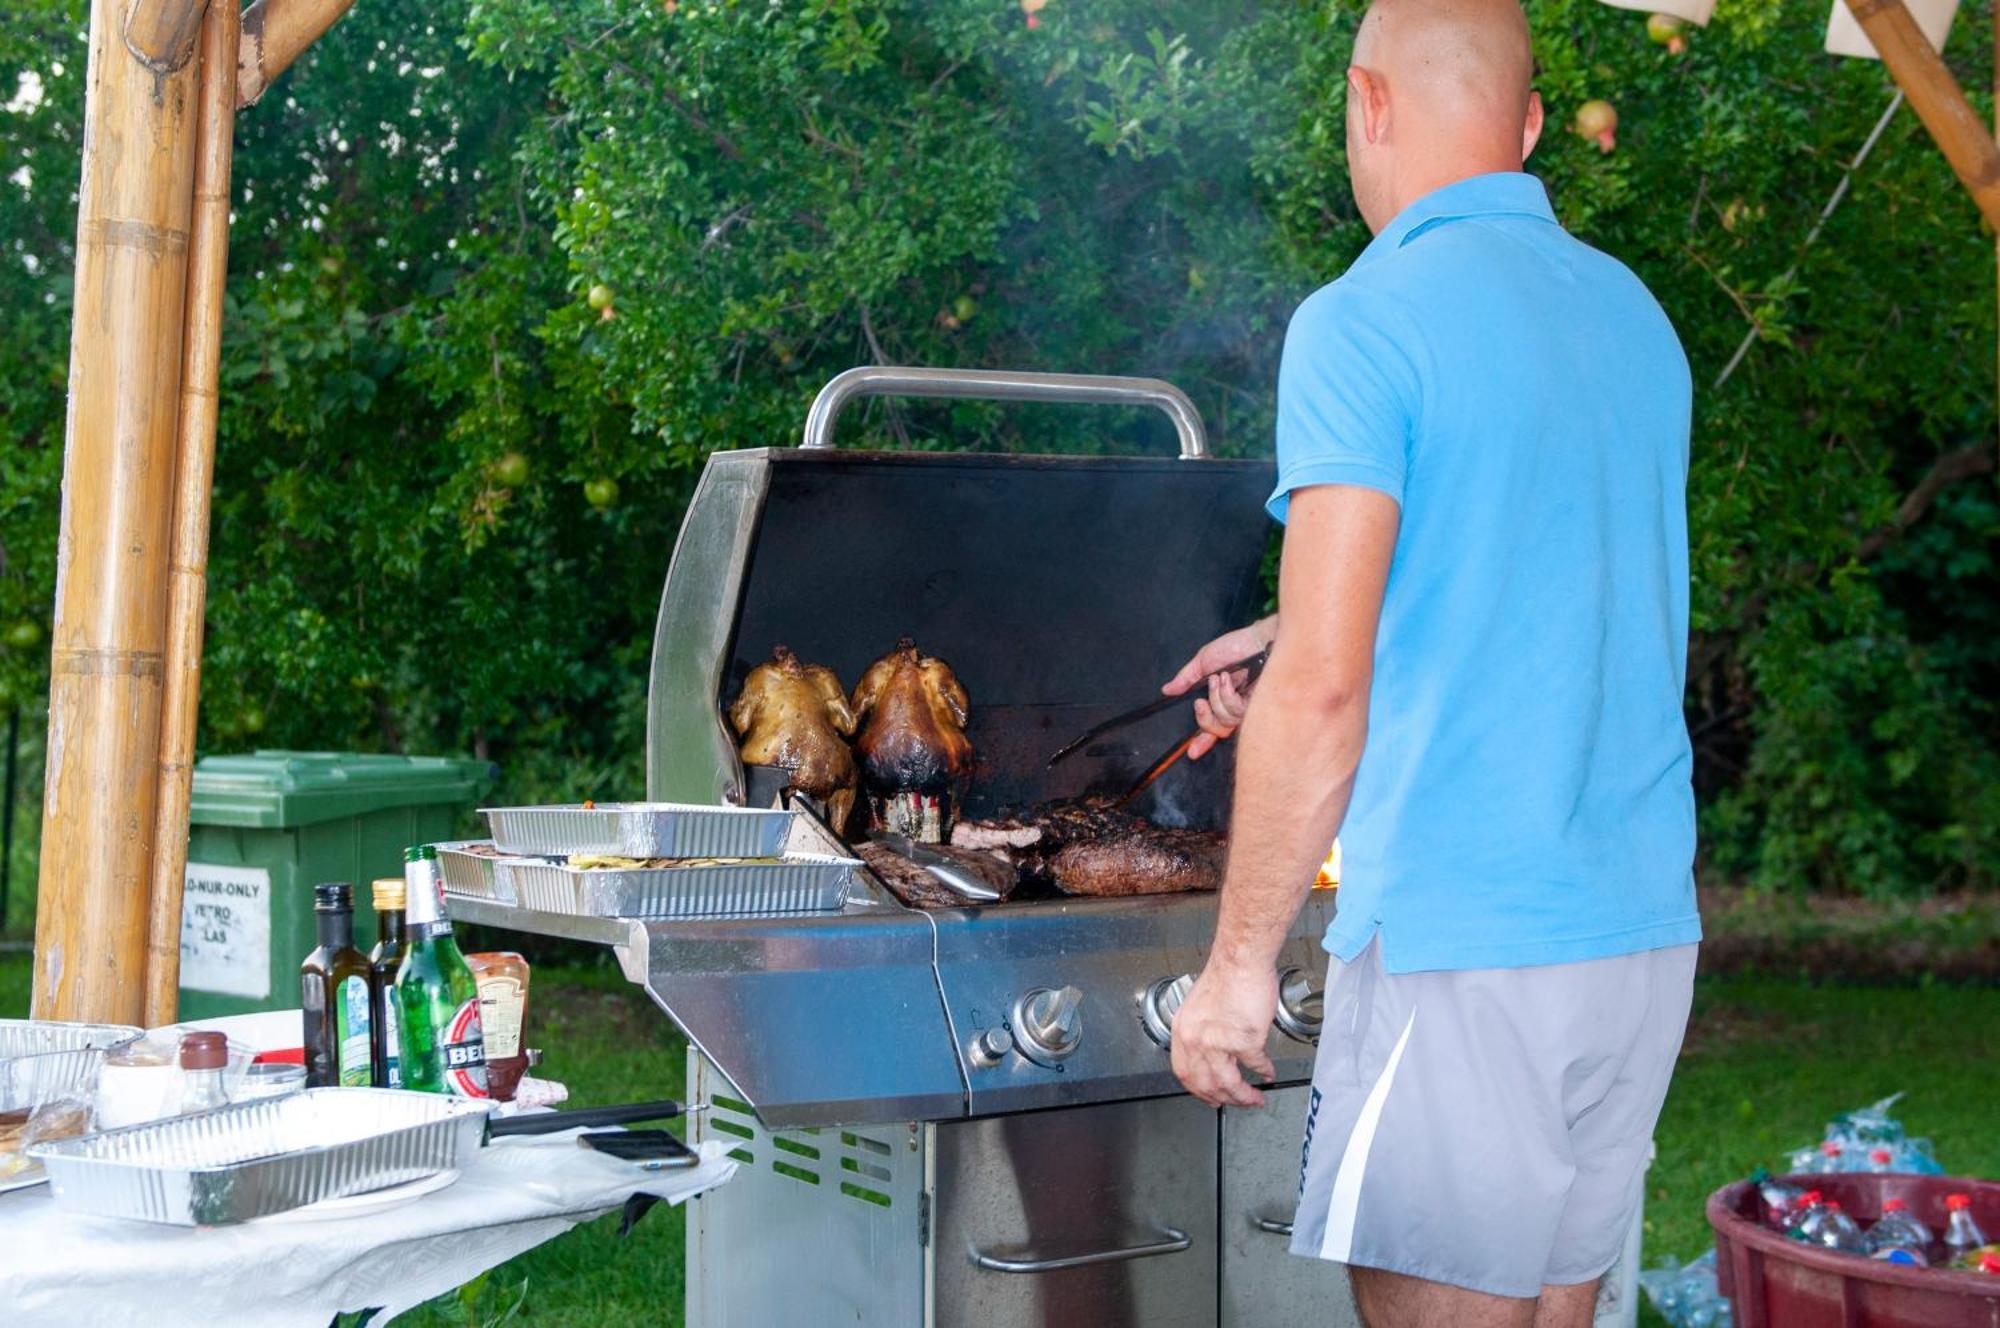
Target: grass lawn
x=1767, y=1062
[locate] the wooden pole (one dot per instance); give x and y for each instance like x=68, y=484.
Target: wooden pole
x=1936, y=98
x=133, y=203
x=194, y=466
x=275, y=33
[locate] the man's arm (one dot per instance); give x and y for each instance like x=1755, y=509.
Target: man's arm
x=1295, y=763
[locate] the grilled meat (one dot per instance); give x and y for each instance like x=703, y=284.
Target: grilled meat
x=1086, y=846
x=911, y=711
x=919, y=889
x=794, y=716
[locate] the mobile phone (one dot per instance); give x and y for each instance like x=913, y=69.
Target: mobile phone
x=656, y=1149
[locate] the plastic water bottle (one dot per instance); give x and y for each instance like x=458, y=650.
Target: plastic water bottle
x=1898, y=1229
x=1961, y=1234
x=1780, y=1200
x=1837, y=1231
x=1806, y=1216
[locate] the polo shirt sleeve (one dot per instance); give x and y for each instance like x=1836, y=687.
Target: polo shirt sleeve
x=1348, y=393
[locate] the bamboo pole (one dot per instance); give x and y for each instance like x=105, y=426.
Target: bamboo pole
x=275, y=33
x=133, y=205
x=194, y=466
x=1936, y=98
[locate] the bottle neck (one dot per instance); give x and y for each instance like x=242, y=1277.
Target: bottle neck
x=389, y=925
x=336, y=929
x=423, y=896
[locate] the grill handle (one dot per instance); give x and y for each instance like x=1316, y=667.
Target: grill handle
x=1273, y=1225
x=876, y=380
x=1170, y=1242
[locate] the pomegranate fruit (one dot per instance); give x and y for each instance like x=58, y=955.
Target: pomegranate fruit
x=1597, y=120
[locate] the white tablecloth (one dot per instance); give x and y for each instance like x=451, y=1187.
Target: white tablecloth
x=62, y=1270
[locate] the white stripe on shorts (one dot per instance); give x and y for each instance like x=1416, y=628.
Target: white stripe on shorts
x=1338, y=1243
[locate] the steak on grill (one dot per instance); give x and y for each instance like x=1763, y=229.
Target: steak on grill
x=1086, y=846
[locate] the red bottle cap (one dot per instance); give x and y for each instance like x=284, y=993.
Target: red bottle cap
x=1830, y=1148
x=1833, y=1205
x=1880, y=1155
x=1893, y=1205
x=1954, y=1202
x=1811, y=1197
x=1989, y=1263
x=204, y=1051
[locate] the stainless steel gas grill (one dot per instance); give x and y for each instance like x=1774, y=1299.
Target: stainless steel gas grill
x=966, y=1115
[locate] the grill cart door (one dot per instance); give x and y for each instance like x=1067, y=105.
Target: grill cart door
x=1078, y=1218
x=1262, y=1283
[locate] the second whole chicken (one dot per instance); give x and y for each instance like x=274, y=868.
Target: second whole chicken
x=911, y=709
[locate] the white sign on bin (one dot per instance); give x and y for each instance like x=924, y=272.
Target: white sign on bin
x=226, y=930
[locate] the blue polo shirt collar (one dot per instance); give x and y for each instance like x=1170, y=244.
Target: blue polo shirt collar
x=1502, y=193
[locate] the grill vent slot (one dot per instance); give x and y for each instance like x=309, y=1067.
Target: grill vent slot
x=862, y=1166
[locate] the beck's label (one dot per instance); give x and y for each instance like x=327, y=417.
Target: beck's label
x=463, y=1053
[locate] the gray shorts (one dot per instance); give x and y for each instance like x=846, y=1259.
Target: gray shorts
x=1488, y=1128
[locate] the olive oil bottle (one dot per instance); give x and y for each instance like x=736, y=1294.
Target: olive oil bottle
x=333, y=989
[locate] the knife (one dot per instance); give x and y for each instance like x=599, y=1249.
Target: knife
x=1252, y=666
x=948, y=872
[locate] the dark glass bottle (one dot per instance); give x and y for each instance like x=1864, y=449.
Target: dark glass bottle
x=333, y=990
x=383, y=961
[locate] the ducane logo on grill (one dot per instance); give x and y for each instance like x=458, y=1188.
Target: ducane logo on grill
x=1306, y=1149
x=465, y=1052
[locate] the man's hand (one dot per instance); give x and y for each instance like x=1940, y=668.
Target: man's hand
x=1221, y=712
x=1220, y=1031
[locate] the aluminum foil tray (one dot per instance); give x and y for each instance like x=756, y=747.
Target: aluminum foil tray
x=800, y=884
x=258, y=1158
x=41, y=1059
x=641, y=830
x=468, y=873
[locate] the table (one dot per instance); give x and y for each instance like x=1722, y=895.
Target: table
x=61, y=1269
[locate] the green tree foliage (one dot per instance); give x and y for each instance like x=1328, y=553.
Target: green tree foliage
x=490, y=259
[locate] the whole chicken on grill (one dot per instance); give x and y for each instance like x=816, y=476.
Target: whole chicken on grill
x=794, y=716
x=911, y=709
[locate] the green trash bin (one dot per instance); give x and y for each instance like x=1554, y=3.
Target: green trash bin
x=265, y=828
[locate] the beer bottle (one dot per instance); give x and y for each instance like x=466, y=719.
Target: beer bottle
x=333, y=990
x=383, y=961
x=440, y=1045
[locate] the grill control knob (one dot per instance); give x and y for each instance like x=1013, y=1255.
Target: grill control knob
x=991, y=1047
x=1159, y=1003
x=1048, y=1023
x=1301, y=1005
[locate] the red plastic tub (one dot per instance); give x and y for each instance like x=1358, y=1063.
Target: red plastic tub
x=1773, y=1282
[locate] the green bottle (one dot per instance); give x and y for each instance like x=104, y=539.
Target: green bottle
x=442, y=1048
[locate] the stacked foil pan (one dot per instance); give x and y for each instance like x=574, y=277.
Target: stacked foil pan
x=797, y=884
x=640, y=830
x=43, y=1059
x=526, y=864
x=258, y=1158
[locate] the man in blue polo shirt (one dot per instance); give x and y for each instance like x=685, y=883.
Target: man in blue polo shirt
x=1482, y=458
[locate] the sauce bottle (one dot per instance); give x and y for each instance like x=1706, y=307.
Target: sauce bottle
x=502, y=976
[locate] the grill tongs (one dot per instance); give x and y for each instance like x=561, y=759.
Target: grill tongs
x=946, y=872
x=1250, y=668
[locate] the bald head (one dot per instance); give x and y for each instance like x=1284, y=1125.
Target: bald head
x=1438, y=90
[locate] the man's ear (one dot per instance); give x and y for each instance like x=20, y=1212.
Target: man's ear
x=1531, y=131
x=1365, y=92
